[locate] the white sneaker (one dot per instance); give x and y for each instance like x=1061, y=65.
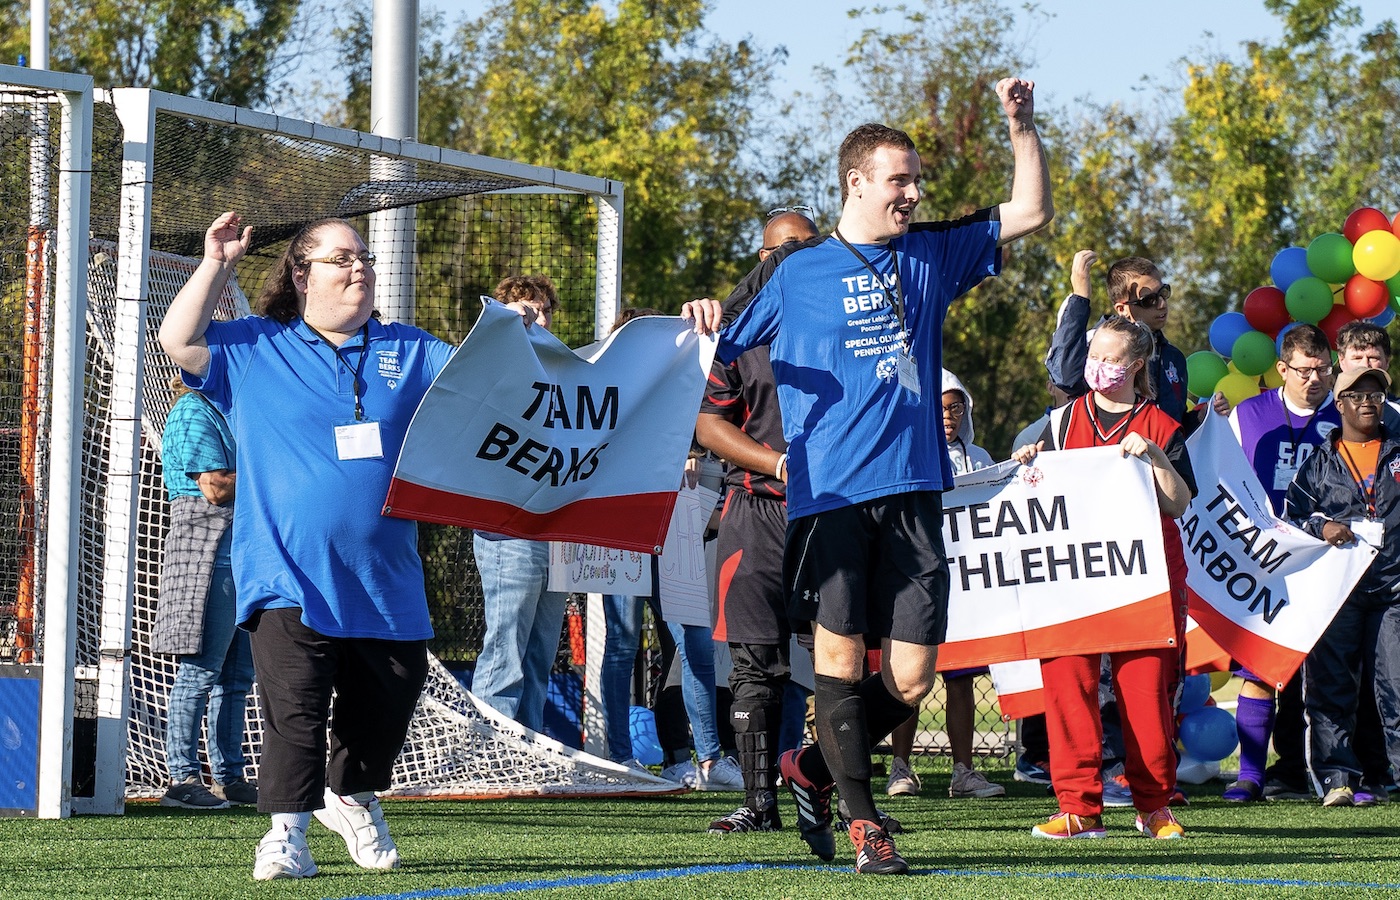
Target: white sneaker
x=902, y=780
x=283, y=854
x=681, y=773
x=972, y=783
x=723, y=775
x=364, y=830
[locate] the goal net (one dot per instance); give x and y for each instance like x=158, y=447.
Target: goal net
x=446, y=226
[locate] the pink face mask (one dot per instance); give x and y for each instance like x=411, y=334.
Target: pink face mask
x=1104, y=377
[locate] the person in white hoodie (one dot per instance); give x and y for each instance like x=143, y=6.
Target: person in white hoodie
x=960, y=704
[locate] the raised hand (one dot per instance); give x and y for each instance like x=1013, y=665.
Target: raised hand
x=223, y=243
x=1017, y=98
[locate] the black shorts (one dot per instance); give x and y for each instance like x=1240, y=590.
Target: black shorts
x=877, y=569
x=751, y=607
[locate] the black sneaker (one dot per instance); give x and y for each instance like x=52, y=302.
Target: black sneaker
x=745, y=819
x=887, y=821
x=237, y=793
x=1278, y=789
x=875, y=852
x=813, y=807
x=192, y=794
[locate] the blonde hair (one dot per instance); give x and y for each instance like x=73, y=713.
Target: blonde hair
x=1138, y=340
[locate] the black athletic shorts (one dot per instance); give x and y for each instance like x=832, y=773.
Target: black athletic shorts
x=751, y=607
x=877, y=569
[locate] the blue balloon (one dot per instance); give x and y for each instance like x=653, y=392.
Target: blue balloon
x=1290, y=264
x=1209, y=733
x=1225, y=330
x=1278, y=341
x=1386, y=316
x=646, y=746
x=1194, y=691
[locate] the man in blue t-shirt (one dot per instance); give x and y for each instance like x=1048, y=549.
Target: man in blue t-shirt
x=854, y=326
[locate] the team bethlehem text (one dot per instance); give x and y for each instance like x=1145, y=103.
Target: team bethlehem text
x=553, y=408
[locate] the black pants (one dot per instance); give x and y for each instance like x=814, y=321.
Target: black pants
x=375, y=684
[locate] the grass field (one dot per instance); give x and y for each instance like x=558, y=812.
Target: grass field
x=656, y=848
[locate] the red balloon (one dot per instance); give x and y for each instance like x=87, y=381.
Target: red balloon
x=1333, y=322
x=1264, y=309
x=1365, y=298
x=1364, y=220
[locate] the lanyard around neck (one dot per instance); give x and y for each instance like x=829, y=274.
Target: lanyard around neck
x=898, y=300
x=359, y=366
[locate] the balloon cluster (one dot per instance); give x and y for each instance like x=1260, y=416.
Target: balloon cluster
x=1336, y=279
x=1207, y=732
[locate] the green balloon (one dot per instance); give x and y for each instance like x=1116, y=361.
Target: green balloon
x=1252, y=354
x=1393, y=284
x=1330, y=258
x=1204, y=369
x=1308, y=300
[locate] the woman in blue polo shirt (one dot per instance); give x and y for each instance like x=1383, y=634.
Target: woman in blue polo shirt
x=319, y=393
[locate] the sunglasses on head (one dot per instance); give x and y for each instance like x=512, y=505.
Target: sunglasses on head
x=801, y=210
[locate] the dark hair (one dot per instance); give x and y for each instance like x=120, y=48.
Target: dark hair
x=1137, y=337
x=1122, y=274
x=1309, y=339
x=523, y=288
x=632, y=312
x=1359, y=335
x=861, y=143
x=280, y=299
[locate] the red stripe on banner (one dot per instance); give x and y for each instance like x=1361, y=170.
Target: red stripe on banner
x=626, y=522
x=1022, y=704
x=1144, y=625
x=1203, y=654
x=1273, y=662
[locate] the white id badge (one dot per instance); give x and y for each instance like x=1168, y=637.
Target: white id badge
x=1372, y=531
x=908, y=373
x=358, y=440
x=1284, y=473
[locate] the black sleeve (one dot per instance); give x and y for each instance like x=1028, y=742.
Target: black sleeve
x=1181, y=460
x=758, y=276
x=985, y=214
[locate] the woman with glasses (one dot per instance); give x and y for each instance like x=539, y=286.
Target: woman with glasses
x=1119, y=411
x=1348, y=491
x=319, y=394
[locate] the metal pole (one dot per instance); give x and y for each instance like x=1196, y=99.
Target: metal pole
x=38, y=34
x=393, y=109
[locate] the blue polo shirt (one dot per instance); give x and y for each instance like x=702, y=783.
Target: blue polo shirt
x=196, y=439
x=853, y=433
x=310, y=533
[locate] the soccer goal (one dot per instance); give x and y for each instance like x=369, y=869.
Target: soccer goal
x=446, y=226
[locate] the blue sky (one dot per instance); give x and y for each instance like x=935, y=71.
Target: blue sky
x=1088, y=48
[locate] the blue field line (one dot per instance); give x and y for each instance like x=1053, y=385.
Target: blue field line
x=520, y=887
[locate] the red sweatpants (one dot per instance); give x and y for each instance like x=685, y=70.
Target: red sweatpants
x=1142, y=681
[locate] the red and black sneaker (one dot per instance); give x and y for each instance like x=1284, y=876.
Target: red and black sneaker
x=813, y=806
x=875, y=852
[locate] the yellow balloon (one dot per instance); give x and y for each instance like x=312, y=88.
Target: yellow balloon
x=1218, y=680
x=1237, y=387
x=1272, y=379
x=1230, y=368
x=1377, y=255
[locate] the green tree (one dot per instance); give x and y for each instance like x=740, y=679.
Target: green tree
x=1275, y=149
x=232, y=51
x=639, y=92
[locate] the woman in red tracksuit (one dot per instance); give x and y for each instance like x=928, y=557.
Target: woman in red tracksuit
x=1119, y=410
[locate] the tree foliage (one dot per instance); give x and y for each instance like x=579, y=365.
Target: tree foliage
x=225, y=50
x=639, y=92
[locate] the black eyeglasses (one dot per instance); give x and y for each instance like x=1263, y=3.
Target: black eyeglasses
x=801, y=210
x=344, y=260
x=956, y=409
x=1359, y=397
x=1307, y=372
x=1153, y=299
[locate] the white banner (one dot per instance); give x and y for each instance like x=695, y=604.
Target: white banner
x=520, y=436
x=1060, y=557
x=1262, y=589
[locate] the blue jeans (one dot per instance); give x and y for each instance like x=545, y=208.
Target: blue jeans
x=695, y=645
x=622, y=617
x=221, y=675
x=523, y=624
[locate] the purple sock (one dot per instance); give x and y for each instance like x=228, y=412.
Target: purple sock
x=1254, y=719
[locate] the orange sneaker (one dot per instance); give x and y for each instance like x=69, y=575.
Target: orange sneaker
x=1161, y=825
x=1068, y=825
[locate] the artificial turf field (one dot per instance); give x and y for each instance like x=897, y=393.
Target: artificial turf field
x=657, y=848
